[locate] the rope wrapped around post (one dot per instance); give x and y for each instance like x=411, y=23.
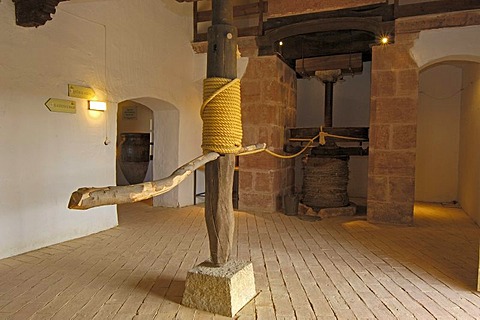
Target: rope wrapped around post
x=221, y=115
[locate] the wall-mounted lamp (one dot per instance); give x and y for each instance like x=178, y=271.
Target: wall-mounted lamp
x=97, y=105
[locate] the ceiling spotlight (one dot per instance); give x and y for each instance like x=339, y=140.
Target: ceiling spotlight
x=384, y=40
x=280, y=43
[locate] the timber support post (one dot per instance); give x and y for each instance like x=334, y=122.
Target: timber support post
x=222, y=63
x=221, y=285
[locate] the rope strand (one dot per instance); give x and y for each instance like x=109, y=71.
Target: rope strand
x=221, y=114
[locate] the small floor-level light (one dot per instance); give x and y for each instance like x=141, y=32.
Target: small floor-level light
x=97, y=105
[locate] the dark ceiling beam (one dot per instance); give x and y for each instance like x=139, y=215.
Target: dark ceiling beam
x=34, y=13
x=309, y=51
x=238, y=11
x=383, y=10
x=372, y=25
x=375, y=26
x=327, y=43
x=348, y=63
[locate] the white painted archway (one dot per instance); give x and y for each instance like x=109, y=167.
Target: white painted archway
x=447, y=44
x=166, y=120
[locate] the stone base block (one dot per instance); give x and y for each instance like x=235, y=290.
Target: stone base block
x=349, y=210
x=221, y=290
x=323, y=213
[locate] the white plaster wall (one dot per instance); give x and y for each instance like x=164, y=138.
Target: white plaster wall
x=351, y=108
x=123, y=49
x=140, y=124
x=438, y=134
x=469, y=164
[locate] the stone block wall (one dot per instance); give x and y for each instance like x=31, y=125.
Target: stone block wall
x=393, y=123
x=393, y=117
x=269, y=99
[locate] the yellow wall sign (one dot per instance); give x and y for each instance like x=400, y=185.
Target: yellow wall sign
x=80, y=92
x=59, y=105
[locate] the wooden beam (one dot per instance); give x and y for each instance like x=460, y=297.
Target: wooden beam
x=86, y=198
x=308, y=133
x=219, y=174
x=34, y=13
x=348, y=63
x=327, y=44
x=373, y=25
x=263, y=8
x=378, y=10
x=238, y=11
x=339, y=151
x=242, y=32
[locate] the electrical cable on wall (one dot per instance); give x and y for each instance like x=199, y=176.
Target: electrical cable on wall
x=451, y=95
x=106, y=141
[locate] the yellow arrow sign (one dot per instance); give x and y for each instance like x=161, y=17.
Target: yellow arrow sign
x=80, y=92
x=59, y=105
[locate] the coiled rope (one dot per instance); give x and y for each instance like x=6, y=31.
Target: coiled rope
x=221, y=115
x=222, y=121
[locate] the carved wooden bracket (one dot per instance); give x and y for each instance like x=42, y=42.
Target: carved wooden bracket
x=34, y=13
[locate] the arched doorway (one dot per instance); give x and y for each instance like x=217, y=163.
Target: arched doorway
x=438, y=133
x=457, y=64
x=448, y=129
x=447, y=165
x=161, y=120
x=134, y=143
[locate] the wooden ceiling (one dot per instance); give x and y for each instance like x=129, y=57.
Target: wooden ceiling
x=346, y=32
x=318, y=37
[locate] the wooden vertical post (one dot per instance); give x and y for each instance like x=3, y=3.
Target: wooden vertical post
x=328, y=107
x=261, y=7
x=221, y=62
x=195, y=21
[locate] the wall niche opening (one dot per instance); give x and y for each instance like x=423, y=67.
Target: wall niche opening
x=147, y=144
x=448, y=124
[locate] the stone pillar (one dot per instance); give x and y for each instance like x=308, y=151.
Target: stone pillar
x=269, y=99
x=393, y=123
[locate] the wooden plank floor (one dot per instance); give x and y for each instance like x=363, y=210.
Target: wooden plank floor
x=338, y=268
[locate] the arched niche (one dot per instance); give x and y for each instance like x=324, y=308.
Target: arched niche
x=458, y=49
x=166, y=119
